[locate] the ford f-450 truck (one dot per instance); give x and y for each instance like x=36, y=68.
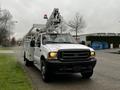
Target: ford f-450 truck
x=55, y=53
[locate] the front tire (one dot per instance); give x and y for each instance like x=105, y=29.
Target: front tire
x=87, y=74
x=45, y=72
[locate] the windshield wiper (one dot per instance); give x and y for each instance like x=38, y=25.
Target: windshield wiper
x=66, y=42
x=48, y=42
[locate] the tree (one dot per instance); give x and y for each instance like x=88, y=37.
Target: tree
x=63, y=27
x=77, y=23
x=6, y=24
x=3, y=35
x=13, y=41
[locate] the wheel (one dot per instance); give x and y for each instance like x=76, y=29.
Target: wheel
x=45, y=72
x=27, y=63
x=87, y=74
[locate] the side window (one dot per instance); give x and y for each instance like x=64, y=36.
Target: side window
x=38, y=42
x=32, y=43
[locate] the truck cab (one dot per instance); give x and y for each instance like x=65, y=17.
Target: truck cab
x=54, y=53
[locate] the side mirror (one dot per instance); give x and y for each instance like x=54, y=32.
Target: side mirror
x=82, y=42
x=44, y=40
x=38, y=44
x=32, y=43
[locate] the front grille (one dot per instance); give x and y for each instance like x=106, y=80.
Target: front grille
x=73, y=54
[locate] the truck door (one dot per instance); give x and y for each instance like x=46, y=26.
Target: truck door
x=37, y=53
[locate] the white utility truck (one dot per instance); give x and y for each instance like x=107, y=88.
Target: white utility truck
x=54, y=53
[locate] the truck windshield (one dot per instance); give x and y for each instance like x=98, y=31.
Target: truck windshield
x=58, y=38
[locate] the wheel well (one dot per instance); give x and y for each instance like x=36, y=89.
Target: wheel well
x=42, y=58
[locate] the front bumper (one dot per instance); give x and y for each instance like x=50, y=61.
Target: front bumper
x=71, y=67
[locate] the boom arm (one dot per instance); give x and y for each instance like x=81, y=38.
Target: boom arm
x=54, y=20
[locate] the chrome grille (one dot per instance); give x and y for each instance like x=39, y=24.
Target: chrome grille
x=73, y=54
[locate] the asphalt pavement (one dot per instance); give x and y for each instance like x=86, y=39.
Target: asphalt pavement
x=106, y=74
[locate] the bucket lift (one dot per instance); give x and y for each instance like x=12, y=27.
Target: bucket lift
x=54, y=20
x=53, y=24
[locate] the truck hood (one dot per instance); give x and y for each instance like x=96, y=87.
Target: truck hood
x=56, y=47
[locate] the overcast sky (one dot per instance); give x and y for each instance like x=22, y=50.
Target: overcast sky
x=100, y=15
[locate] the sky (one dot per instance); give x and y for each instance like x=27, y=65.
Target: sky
x=99, y=15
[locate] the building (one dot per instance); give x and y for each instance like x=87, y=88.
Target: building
x=101, y=40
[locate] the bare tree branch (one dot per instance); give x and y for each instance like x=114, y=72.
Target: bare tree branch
x=6, y=24
x=77, y=23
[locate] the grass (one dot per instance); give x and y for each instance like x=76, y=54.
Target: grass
x=12, y=76
x=5, y=48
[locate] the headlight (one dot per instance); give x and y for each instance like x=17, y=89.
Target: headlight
x=52, y=55
x=92, y=53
